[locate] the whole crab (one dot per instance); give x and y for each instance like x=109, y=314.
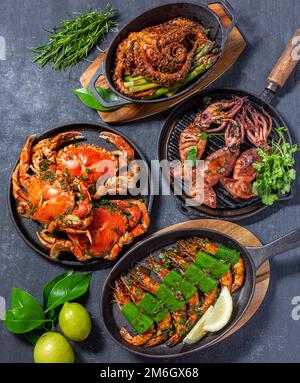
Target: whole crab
x=47, y=196
x=53, y=182
x=102, y=171
x=114, y=224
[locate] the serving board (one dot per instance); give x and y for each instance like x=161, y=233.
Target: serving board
x=245, y=238
x=234, y=47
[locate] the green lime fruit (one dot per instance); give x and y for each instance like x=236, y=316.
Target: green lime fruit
x=74, y=321
x=53, y=347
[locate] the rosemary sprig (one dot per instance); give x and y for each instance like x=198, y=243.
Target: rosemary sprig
x=73, y=39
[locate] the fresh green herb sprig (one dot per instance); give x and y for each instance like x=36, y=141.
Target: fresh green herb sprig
x=28, y=317
x=73, y=39
x=275, y=171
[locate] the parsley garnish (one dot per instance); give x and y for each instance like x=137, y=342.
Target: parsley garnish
x=275, y=171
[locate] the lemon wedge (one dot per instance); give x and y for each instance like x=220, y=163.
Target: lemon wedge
x=197, y=331
x=221, y=312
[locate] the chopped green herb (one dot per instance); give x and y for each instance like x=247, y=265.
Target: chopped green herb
x=275, y=171
x=192, y=156
x=206, y=100
x=204, y=135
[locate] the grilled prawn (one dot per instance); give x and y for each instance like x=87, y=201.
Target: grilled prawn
x=122, y=299
x=178, y=317
x=163, y=330
x=191, y=247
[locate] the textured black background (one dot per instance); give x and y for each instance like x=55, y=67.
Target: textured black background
x=34, y=100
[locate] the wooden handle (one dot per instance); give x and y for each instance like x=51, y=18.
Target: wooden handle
x=287, y=62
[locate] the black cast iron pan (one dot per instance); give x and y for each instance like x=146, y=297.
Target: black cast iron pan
x=197, y=12
x=28, y=228
x=227, y=206
x=253, y=258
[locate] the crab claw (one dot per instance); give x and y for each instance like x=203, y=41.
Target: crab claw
x=47, y=148
x=57, y=246
x=124, y=148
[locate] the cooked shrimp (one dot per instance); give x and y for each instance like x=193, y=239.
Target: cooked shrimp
x=137, y=340
x=163, y=332
x=226, y=280
x=239, y=274
x=209, y=300
x=179, y=321
x=122, y=299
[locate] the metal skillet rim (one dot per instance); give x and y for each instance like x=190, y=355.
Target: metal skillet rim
x=73, y=263
x=220, y=338
x=162, y=142
x=186, y=89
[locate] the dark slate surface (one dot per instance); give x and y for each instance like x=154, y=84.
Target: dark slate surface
x=34, y=100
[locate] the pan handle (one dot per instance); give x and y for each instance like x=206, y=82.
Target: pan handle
x=225, y=4
x=288, y=242
x=92, y=87
x=283, y=67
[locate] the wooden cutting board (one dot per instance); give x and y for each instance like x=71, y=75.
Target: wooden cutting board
x=245, y=238
x=232, y=51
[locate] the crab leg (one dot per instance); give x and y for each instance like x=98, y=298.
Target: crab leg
x=124, y=149
x=20, y=176
x=128, y=169
x=139, y=221
x=57, y=246
x=45, y=149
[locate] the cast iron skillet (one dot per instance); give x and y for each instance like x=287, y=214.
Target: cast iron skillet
x=253, y=258
x=28, y=228
x=197, y=12
x=227, y=206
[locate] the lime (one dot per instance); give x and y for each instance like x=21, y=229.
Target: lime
x=53, y=347
x=74, y=321
x=221, y=312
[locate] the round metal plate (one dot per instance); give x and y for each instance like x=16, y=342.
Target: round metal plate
x=27, y=228
x=183, y=115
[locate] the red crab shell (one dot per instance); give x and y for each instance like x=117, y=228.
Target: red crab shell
x=87, y=162
x=48, y=199
x=114, y=224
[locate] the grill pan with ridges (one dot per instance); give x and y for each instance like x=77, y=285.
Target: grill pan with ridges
x=227, y=206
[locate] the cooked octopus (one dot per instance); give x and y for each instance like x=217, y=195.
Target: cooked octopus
x=162, y=53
